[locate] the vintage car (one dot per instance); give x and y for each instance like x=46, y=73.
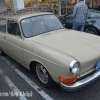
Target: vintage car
x=39, y=42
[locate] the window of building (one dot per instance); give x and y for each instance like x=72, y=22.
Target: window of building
x=67, y=6
x=8, y=4
x=44, y=5
x=93, y=4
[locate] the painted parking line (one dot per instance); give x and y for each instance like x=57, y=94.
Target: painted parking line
x=11, y=85
x=29, y=81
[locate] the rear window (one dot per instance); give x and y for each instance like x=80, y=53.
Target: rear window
x=94, y=15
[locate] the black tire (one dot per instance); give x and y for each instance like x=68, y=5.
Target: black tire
x=1, y=52
x=48, y=83
x=91, y=30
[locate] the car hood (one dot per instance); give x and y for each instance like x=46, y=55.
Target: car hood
x=82, y=46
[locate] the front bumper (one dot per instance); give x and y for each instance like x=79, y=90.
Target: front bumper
x=81, y=83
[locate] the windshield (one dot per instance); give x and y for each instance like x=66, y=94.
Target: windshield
x=40, y=24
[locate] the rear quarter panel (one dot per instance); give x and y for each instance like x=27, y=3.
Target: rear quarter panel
x=93, y=22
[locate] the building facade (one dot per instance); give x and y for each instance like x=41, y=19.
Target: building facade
x=59, y=7
x=2, y=6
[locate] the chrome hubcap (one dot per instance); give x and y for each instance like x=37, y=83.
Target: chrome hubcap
x=89, y=31
x=42, y=73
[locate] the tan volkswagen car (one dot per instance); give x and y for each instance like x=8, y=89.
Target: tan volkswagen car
x=39, y=42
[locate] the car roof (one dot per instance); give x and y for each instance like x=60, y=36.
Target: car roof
x=93, y=10
x=90, y=10
x=25, y=15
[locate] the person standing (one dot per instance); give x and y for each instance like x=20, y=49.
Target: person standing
x=79, y=14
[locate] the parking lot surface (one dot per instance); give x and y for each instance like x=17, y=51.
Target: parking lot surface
x=14, y=78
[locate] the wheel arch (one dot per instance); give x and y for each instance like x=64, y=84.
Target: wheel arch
x=33, y=64
x=93, y=27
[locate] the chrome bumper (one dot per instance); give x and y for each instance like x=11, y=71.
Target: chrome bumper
x=81, y=83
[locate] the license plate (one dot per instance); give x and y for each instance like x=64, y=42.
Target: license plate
x=98, y=65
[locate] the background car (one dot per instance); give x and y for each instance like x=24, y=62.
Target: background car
x=92, y=22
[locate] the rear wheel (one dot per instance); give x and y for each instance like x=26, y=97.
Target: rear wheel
x=91, y=30
x=43, y=76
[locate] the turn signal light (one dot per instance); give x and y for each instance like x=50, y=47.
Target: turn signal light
x=68, y=80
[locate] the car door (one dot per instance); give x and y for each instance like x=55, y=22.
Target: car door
x=67, y=20
x=15, y=40
x=3, y=43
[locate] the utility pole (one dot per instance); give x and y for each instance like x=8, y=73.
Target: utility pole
x=12, y=6
x=84, y=1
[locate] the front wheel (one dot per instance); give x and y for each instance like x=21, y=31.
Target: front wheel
x=43, y=76
x=91, y=30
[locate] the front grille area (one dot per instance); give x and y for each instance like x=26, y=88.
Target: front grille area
x=87, y=75
x=91, y=70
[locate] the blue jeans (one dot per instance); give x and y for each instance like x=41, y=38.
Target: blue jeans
x=78, y=26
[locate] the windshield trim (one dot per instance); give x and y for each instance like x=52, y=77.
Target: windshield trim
x=40, y=33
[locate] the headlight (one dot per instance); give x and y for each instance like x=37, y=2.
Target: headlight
x=75, y=67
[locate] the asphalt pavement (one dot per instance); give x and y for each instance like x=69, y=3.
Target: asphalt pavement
x=14, y=78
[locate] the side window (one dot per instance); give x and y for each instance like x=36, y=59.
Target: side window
x=70, y=16
x=13, y=28
x=3, y=23
x=18, y=31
